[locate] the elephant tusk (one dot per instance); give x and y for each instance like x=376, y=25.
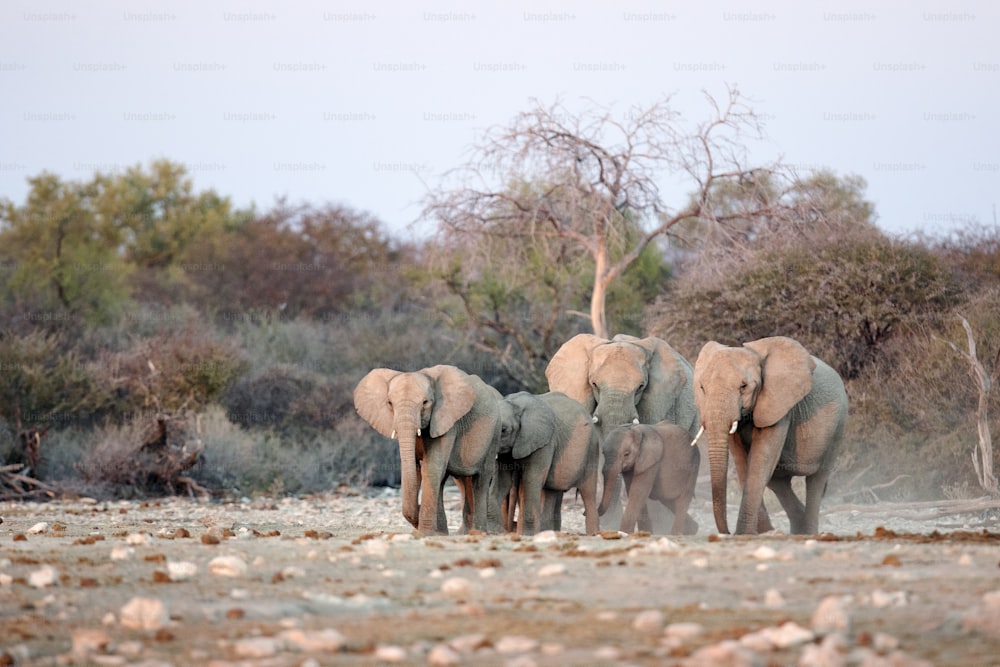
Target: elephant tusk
x=418, y=432
x=393, y=436
x=635, y=420
x=700, y=431
x=594, y=419
x=732, y=429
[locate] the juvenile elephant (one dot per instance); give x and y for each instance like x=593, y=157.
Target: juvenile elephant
x=446, y=421
x=658, y=463
x=548, y=445
x=782, y=413
x=625, y=380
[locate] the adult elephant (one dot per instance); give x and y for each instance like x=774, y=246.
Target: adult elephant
x=625, y=380
x=548, y=445
x=446, y=421
x=782, y=413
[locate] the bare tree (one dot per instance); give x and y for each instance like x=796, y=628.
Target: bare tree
x=982, y=456
x=594, y=179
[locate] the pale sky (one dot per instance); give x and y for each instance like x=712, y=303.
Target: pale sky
x=366, y=104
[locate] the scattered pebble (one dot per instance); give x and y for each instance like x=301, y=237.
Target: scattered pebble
x=442, y=655
x=881, y=599
x=87, y=640
x=684, y=630
x=552, y=570
x=38, y=528
x=119, y=552
x=390, y=653
x=257, y=647
x=137, y=539
x=181, y=570
x=320, y=641
x=832, y=615
x=728, y=653
x=545, y=537
x=457, y=587
x=774, y=598
x=764, y=553
x=227, y=566
x=515, y=644
x=468, y=643
x=44, y=576
x=141, y=613
x=650, y=620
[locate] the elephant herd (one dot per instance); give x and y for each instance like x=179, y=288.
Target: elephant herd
x=626, y=409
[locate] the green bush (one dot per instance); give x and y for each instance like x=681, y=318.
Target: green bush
x=843, y=299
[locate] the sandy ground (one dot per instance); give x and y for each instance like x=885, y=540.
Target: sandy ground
x=340, y=579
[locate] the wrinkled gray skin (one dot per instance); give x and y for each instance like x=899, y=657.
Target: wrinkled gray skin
x=658, y=462
x=781, y=413
x=548, y=445
x=623, y=381
x=447, y=423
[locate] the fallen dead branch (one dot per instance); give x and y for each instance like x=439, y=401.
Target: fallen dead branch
x=14, y=486
x=932, y=509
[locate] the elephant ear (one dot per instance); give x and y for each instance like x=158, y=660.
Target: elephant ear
x=786, y=378
x=650, y=451
x=569, y=369
x=454, y=396
x=538, y=425
x=371, y=399
x=668, y=375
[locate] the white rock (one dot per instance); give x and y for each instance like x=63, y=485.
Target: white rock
x=141, y=613
x=227, y=566
x=822, y=655
x=515, y=644
x=552, y=570
x=764, y=552
x=108, y=619
x=774, y=598
x=442, y=655
x=256, y=647
x=684, y=631
x=6, y=580
x=832, y=615
x=699, y=562
x=650, y=620
x=293, y=572
x=468, y=643
x=609, y=653
x=884, y=643
x=86, y=640
x=882, y=599
x=458, y=587
x=728, y=653
x=377, y=548
x=38, y=528
x=181, y=570
x=552, y=648
x=965, y=559
x=545, y=537
x=119, y=552
x=390, y=653
x=320, y=641
x=402, y=537
x=137, y=539
x=790, y=634
x=44, y=576
x=487, y=573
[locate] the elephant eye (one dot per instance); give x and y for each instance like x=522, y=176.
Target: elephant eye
x=743, y=387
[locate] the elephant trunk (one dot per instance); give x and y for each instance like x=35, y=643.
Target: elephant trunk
x=612, y=481
x=718, y=464
x=410, y=452
x=616, y=408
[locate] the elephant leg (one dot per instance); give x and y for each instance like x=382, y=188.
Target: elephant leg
x=815, y=490
x=532, y=481
x=479, y=485
x=501, y=510
x=682, y=520
x=761, y=462
x=739, y=454
x=468, y=502
x=638, y=487
x=551, y=510
x=782, y=487
x=588, y=493
x=645, y=521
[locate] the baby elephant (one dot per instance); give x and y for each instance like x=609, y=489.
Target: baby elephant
x=657, y=462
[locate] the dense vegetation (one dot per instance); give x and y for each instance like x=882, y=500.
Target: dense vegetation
x=131, y=298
